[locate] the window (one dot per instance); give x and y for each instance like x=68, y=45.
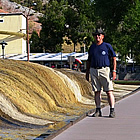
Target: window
x=1, y=20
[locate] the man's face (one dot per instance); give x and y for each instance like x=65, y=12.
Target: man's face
x=99, y=37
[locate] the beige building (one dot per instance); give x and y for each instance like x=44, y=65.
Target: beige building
x=13, y=32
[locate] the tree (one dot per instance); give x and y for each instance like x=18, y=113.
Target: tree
x=73, y=20
x=80, y=24
x=111, y=12
x=53, y=23
x=34, y=43
x=62, y=18
x=37, y=5
x=130, y=29
x=120, y=19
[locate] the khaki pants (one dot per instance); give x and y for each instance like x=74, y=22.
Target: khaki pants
x=101, y=78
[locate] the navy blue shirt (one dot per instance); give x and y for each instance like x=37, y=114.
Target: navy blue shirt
x=99, y=55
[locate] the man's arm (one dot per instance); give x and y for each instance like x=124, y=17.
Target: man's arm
x=114, y=68
x=87, y=70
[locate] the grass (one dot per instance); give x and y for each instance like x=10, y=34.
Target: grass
x=127, y=82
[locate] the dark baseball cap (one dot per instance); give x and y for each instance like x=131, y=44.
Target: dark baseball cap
x=98, y=31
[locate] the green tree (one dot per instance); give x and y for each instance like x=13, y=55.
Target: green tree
x=111, y=12
x=130, y=29
x=35, y=43
x=78, y=17
x=62, y=18
x=53, y=23
x=37, y=5
x=73, y=20
x=120, y=19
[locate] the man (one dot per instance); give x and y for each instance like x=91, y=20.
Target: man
x=98, y=65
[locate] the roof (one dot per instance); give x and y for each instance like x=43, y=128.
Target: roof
x=48, y=56
x=7, y=14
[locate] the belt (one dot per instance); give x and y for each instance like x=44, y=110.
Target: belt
x=99, y=67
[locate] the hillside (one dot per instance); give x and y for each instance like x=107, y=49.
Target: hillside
x=35, y=95
x=8, y=6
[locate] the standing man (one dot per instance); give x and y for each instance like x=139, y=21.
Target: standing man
x=98, y=65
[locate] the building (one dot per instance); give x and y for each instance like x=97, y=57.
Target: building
x=13, y=32
x=57, y=60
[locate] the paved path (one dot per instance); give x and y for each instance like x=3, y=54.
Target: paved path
x=125, y=126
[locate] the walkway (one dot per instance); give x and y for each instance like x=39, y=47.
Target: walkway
x=125, y=126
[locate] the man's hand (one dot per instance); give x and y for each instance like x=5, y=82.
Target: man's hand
x=114, y=68
x=114, y=75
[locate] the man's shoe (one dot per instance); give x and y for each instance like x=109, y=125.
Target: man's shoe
x=97, y=113
x=112, y=113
